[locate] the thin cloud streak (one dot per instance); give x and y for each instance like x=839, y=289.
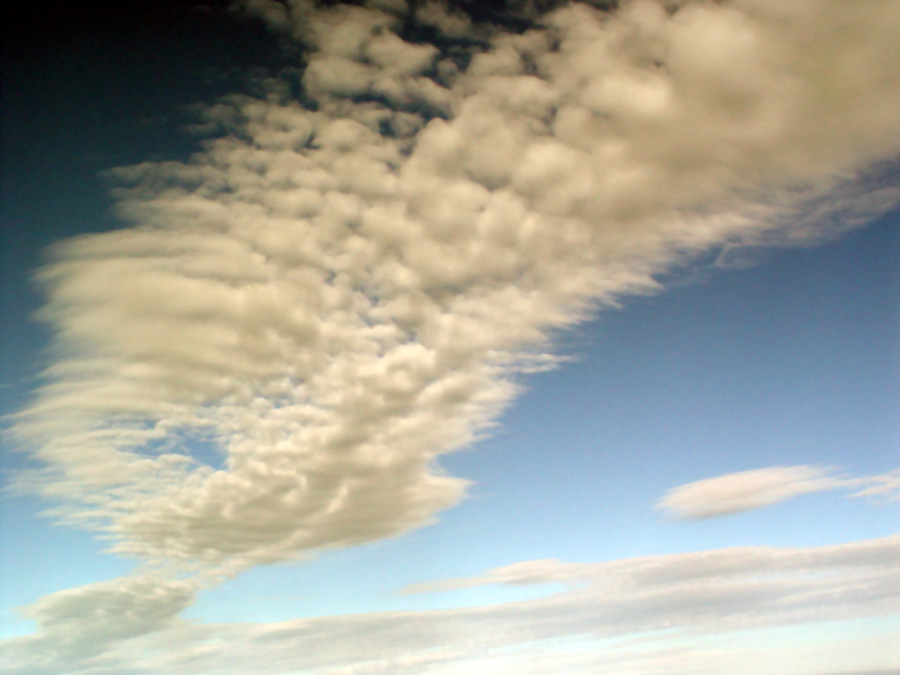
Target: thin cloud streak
x=759, y=488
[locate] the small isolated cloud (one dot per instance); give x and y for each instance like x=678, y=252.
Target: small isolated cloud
x=745, y=490
x=748, y=490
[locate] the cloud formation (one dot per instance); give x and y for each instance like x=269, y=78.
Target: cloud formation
x=650, y=601
x=80, y=624
x=335, y=296
x=745, y=490
x=748, y=490
x=338, y=288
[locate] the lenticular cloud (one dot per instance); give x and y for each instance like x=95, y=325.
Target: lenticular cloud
x=341, y=286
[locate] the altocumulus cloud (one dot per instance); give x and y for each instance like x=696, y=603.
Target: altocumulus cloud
x=337, y=292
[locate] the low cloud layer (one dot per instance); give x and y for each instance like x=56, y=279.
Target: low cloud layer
x=650, y=601
x=332, y=294
x=78, y=625
x=748, y=490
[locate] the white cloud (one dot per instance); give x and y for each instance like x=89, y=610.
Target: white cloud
x=886, y=485
x=335, y=308
x=79, y=624
x=335, y=298
x=628, y=616
x=747, y=490
x=442, y=17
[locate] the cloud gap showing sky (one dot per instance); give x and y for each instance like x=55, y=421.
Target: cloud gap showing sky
x=338, y=289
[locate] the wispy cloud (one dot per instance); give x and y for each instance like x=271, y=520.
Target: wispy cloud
x=748, y=490
x=336, y=294
x=649, y=600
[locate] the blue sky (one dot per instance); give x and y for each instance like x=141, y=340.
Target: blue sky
x=352, y=236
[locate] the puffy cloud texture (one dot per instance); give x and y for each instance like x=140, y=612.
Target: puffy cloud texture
x=331, y=295
x=332, y=298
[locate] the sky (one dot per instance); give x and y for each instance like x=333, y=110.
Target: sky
x=426, y=337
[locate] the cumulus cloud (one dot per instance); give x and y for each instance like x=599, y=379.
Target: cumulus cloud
x=335, y=292
x=747, y=490
x=646, y=601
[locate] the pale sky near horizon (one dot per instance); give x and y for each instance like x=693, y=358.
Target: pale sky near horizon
x=451, y=338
